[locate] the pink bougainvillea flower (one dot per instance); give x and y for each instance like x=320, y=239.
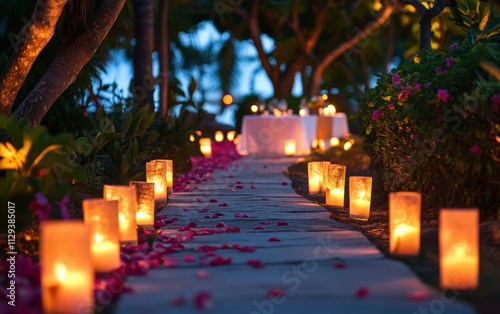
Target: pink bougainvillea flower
x=282, y=223
x=220, y=260
x=339, y=265
x=391, y=106
x=450, y=61
x=276, y=293
x=213, y=200
x=284, y=183
x=273, y=239
x=440, y=70
x=453, y=46
x=255, y=263
x=416, y=86
x=223, y=204
x=443, y=95
x=495, y=102
x=403, y=96
x=202, y=274
x=41, y=206
x=376, y=114
x=178, y=300
x=203, y=301
x=418, y=295
x=189, y=259
x=362, y=292
x=259, y=227
x=396, y=79
x=476, y=149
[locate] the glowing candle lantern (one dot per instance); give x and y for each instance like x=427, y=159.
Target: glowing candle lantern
x=290, y=147
x=404, y=222
x=360, y=193
x=315, y=176
x=335, y=185
x=170, y=174
x=219, y=136
x=145, y=203
x=67, y=275
x=102, y=218
x=191, y=138
x=156, y=172
x=322, y=145
x=206, y=146
x=334, y=142
x=127, y=206
x=231, y=135
x=254, y=108
x=459, y=248
x=347, y=145
x=302, y=112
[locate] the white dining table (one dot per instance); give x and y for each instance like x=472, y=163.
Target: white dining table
x=267, y=134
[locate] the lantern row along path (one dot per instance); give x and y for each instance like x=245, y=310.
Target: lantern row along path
x=321, y=266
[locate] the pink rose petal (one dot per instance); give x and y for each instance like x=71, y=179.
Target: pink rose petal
x=203, y=300
x=276, y=293
x=284, y=183
x=202, y=274
x=265, y=223
x=220, y=260
x=282, y=223
x=206, y=248
x=189, y=259
x=259, y=227
x=362, y=292
x=192, y=224
x=255, y=263
x=264, y=199
x=246, y=249
x=339, y=265
x=418, y=295
x=220, y=225
x=273, y=239
x=178, y=300
x=223, y=204
x=204, y=210
x=213, y=200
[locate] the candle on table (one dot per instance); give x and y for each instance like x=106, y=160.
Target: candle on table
x=231, y=135
x=219, y=136
x=206, y=146
x=290, y=147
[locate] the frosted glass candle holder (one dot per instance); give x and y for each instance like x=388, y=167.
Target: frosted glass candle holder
x=360, y=192
x=404, y=223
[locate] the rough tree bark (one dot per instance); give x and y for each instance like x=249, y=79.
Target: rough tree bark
x=32, y=39
x=144, y=81
x=426, y=16
x=163, y=77
x=68, y=62
x=317, y=72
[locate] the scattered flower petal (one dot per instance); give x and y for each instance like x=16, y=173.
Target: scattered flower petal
x=282, y=223
x=362, y=292
x=255, y=263
x=273, y=239
x=203, y=300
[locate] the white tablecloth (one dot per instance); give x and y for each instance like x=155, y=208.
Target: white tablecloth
x=266, y=134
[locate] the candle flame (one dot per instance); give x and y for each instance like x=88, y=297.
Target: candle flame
x=61, y=272
x=98, y=238
x=362, y=194
x=121, y=218
x=459, y=251
x=400, y=229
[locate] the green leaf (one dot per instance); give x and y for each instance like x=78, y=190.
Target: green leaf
x=368, y=129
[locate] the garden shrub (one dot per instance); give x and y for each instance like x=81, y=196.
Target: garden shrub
x=433, y=125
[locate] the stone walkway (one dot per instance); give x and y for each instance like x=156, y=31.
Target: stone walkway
x=320, y=265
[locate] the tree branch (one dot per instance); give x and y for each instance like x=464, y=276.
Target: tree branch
x=319, y=25
x=68, y=63
x=33, y=38
x=253, y=24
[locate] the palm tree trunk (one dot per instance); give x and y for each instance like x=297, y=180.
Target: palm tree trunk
x=68, y=62
x=163, y=110
x=32, y=39
x=144, y=81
